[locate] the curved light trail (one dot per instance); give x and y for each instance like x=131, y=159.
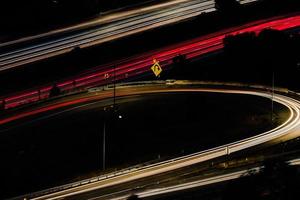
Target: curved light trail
x=286, y=130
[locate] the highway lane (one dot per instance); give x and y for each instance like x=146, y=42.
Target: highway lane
x=100, y=93
x=215, y=179
x=186, y=179
x=103, y=19
x=289, y=128
x=246, y=1
x=102, y=29
x=141, y=64
x=121, y=28
x=160, y=191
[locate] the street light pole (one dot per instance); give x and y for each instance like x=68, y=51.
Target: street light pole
x=114, y=80
x=104, y=145
x=272, y=106
x=106, y=112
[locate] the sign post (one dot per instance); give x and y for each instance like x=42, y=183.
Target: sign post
x=156, y=68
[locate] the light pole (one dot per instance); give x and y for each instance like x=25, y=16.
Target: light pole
x=106, y=116
x=114, y=81
x=103, y=150
x=272, y=104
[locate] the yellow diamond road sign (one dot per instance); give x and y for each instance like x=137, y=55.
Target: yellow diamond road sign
x=156, y=68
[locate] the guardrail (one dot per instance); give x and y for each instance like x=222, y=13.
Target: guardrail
x=69, y=89
x=206, y=155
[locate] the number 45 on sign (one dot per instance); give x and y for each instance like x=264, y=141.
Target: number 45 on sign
x=156, y=68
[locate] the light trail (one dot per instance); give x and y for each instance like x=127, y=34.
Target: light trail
x=103, y=29
x=118, y=29
x=286, y=130
x=194, y=184
x=142, y=63
x=189, y=185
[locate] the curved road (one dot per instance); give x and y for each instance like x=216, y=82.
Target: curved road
x=288, y=130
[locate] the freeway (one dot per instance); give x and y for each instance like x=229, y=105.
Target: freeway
x=215, y=179
x=140, y=65
x=102, y=29
x=287, y=130
x=129, y=23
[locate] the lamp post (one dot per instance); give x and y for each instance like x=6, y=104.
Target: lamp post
x=272, y=104
x=114, y=82
x=104, y=145
x=106, y=117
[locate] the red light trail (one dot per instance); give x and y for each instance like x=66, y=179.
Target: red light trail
x=141, y=64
